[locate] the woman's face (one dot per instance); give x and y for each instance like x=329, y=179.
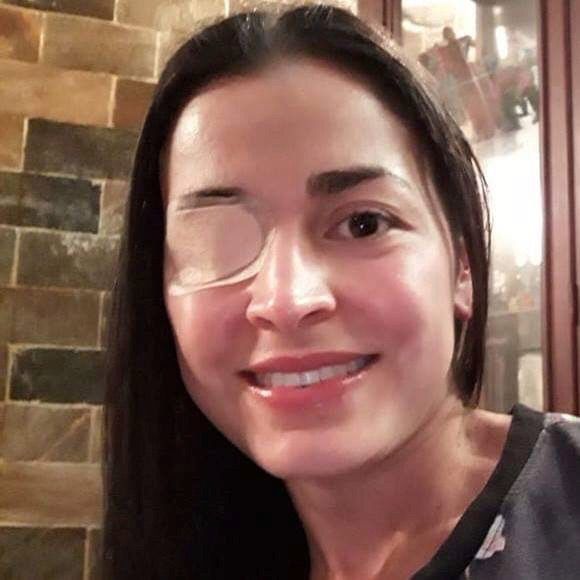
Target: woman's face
x=360, y=263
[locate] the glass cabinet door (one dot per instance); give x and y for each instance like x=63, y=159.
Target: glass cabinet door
x=484, y=57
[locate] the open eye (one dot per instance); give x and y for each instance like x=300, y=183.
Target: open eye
x=364, y=224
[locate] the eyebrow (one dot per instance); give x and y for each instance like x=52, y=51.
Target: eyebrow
x=327, y=183
x=340, y=180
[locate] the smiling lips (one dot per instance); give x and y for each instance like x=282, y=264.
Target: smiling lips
x=306, y=370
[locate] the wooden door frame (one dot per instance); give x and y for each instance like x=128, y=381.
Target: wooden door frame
x=560, y=151
x=575, y=129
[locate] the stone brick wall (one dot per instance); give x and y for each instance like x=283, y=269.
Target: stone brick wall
x=76, y=77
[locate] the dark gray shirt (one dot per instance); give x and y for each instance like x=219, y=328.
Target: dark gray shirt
x=525, y=524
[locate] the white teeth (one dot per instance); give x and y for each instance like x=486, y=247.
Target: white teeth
x=293, y=380
x=280, y=379
x=274, y=380
x=310, y=377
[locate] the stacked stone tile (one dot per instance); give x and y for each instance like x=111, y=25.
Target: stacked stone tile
x=75, y=81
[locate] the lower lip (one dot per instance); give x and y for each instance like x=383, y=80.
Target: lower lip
x=316, y=395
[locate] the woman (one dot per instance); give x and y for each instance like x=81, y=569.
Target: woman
x=298, y=336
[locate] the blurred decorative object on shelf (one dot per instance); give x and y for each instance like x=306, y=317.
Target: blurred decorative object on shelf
x=483, y=60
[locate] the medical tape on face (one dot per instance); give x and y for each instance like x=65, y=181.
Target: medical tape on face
x=213, y=246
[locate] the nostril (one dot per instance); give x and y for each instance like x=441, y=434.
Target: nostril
x=261, y=322
x=287, y=311
x=317, y=315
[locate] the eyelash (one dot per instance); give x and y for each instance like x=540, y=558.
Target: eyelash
x=386, y=218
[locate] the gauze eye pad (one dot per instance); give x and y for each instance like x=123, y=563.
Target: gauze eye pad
x=212, y=246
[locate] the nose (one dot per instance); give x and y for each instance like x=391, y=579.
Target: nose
x=291, y=290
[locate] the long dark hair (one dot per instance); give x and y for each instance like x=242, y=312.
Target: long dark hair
x=180, y=500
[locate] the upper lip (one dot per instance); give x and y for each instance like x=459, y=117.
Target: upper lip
x=303, y=362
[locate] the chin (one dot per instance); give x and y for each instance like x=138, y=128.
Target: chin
x=301, y=457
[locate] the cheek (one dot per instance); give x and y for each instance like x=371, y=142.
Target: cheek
x=204, y=324
x=203, y=327
x=402, y=306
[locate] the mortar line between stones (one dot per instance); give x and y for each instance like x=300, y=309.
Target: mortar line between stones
x=49, y=525
x=116, y=11
x=67, y=290
x=76, y=176
x=45, y=230
x=157, y=54
x=50, y=405
x=41, y=41
x=93, y=435
x=9, y=357
x=15, y=258
x=23, y=144
x=57, y=468
x=86, y=569
x=103, y=184
x=100, y=321
x=112, y=99
x=18, y=346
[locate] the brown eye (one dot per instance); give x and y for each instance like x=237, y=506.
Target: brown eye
x=364, y=224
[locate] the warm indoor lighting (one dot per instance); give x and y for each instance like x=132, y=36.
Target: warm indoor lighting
x=515, y=194
x=501, y=41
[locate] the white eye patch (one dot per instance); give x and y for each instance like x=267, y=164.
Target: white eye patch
x=213, y=246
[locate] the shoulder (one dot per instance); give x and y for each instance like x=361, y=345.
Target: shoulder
x=554, y=458
x=558, y=420
x=553, y=431
x=562, y=432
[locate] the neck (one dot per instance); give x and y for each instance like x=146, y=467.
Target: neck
x=393, y=514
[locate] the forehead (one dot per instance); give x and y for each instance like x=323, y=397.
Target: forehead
x=299, y=106
x=302, y=87
x=271, y=130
